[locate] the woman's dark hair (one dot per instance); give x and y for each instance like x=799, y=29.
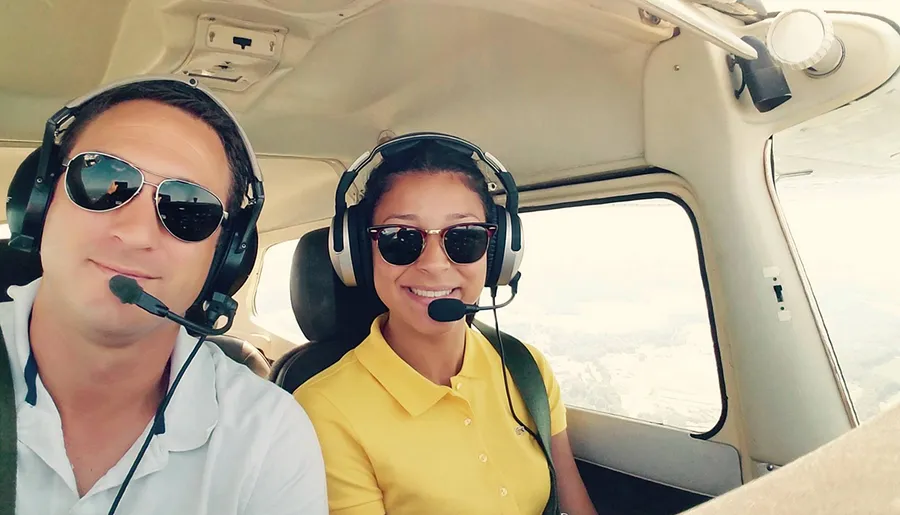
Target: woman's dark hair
x=429, y=157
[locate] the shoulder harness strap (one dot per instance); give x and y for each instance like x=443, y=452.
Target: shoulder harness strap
x=8, y=437
x=527, y=377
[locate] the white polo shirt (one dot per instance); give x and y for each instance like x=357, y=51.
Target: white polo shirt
x=233, y=442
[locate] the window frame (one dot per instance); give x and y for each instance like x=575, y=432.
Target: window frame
x=253, y=291
x=658, y=194
x=771, y=178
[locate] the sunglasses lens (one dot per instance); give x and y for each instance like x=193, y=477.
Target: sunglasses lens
x=400, y=246
x=99, y=183
x=188, y=211
x=466, y=243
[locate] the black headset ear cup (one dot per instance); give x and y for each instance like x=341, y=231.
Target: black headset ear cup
x=236, y=276
x=360, y=246
x=20, y=192
x=231, y=266
x=236, y=263
x=496, y=248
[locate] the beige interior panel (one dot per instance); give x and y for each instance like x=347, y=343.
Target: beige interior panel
x=654, y=452
x=853, y=475
x=75, y=35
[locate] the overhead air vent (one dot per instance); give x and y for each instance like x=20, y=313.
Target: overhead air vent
x=232, y=55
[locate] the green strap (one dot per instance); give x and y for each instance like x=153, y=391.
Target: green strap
x=527, y=377
x=8, y=439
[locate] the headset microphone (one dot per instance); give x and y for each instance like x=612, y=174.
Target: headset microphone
x=130, y=292
x=451, y=310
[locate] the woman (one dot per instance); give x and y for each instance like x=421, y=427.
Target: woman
x=416, y=420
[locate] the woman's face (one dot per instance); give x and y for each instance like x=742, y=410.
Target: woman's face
x=427, y=201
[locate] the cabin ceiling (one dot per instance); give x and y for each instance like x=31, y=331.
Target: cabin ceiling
x=350, y=69
x=549, y=88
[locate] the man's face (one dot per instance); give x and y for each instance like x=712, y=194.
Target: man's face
x=81, y=250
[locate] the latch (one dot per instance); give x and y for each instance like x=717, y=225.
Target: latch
x=233, y=55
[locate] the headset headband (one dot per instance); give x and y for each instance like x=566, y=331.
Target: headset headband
x=347, y=178
x=65, y=114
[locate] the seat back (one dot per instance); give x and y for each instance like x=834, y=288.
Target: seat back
x=333, y=317
x=16, y=268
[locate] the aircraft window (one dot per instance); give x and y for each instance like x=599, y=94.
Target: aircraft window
x=612, y=295
x=838, y=183
x=272, y=303
x=4, y=231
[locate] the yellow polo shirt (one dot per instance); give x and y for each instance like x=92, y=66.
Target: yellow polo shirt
x=394, y=442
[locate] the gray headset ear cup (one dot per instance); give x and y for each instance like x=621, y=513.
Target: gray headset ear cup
x=512, y=260
x=503, y=263
x=341, y=262
x=360, y=246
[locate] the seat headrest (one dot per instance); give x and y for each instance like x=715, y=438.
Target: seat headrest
x=325, y=308
x=16, y=268
x=20, y=188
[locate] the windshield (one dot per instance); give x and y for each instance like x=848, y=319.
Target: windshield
x=838, y=181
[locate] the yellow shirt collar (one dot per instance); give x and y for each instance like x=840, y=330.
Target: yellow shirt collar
x=410, y=388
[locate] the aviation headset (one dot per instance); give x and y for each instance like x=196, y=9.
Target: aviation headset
x=32, y=189
x=350, y=247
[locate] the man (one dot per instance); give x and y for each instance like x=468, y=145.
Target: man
x=144, y=167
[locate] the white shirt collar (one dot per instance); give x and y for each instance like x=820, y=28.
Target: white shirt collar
x=192, y=413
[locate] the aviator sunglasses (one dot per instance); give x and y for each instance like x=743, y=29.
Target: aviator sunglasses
x=402, y=245
x=100, y=182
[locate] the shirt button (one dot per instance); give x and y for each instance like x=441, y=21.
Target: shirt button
x=483, y=458
x=467, y=421
x=503, y=492
x=458, y=386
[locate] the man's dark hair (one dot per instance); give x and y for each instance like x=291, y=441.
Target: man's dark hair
x=188, y=99
x=429, y=157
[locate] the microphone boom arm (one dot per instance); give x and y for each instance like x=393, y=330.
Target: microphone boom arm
x=128, y=291
x=451, y=310
x=514, y=288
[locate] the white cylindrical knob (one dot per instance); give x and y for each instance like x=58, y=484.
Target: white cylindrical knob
x=800, y=38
